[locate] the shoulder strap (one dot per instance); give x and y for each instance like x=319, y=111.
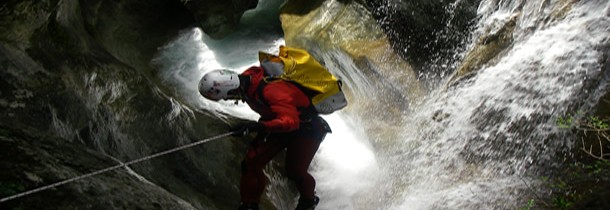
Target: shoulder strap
x=260, y=98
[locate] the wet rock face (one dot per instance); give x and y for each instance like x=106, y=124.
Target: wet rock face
x=57, y=57
x=44, y=160
x=92, y=26
x=76, y=83
x=218, y=18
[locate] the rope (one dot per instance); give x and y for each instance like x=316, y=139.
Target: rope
x=113, y=167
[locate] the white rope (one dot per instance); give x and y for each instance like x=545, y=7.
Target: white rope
x=113, y=167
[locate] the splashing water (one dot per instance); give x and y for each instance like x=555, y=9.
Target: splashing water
x=344, y=158
x=484, y=138
x=477, y=145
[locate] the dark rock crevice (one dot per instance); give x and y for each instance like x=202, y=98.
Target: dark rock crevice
x=219, y=18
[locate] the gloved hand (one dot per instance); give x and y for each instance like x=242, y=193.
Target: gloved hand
x=247, y=128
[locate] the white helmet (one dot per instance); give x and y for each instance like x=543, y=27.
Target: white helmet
x=220, y=84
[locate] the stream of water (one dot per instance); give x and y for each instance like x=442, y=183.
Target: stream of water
x=478, y=144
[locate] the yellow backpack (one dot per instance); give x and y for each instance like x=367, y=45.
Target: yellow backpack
x=298, y=66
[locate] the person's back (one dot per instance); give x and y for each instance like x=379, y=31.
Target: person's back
x=281, y=103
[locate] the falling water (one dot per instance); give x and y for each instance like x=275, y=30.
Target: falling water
x=343, y=159
x=478, y=143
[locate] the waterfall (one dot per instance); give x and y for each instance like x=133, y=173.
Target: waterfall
x=344, y=158
x=480, y=142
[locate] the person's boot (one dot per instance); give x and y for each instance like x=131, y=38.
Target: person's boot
x=308, y=204
x=248, y=206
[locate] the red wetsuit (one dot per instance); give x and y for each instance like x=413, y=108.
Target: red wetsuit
x=281, y=108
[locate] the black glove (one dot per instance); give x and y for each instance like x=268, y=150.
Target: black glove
x=246, y=129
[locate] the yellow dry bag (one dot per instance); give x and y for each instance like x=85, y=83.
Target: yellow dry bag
x=298, y=66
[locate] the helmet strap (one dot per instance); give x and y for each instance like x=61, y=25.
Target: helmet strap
x=244, y=82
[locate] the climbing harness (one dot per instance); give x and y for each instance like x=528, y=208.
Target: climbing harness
x=114, y=167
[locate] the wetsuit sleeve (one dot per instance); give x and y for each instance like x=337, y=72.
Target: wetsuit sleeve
x=282, y=103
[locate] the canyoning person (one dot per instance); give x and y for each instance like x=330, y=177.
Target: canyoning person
x=287, y=123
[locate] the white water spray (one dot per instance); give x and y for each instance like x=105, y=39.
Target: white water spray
x=472, y=146
x=487, y=136
x=345, y=163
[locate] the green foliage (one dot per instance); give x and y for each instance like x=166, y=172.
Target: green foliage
x=592, y=122
x=562, y=202
x=585, y=176
x=529, y=205
x=599, y=167
x=594, y=130
x=565, y=122
x=597, y=123
x=564, y=195
x=577, y=181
